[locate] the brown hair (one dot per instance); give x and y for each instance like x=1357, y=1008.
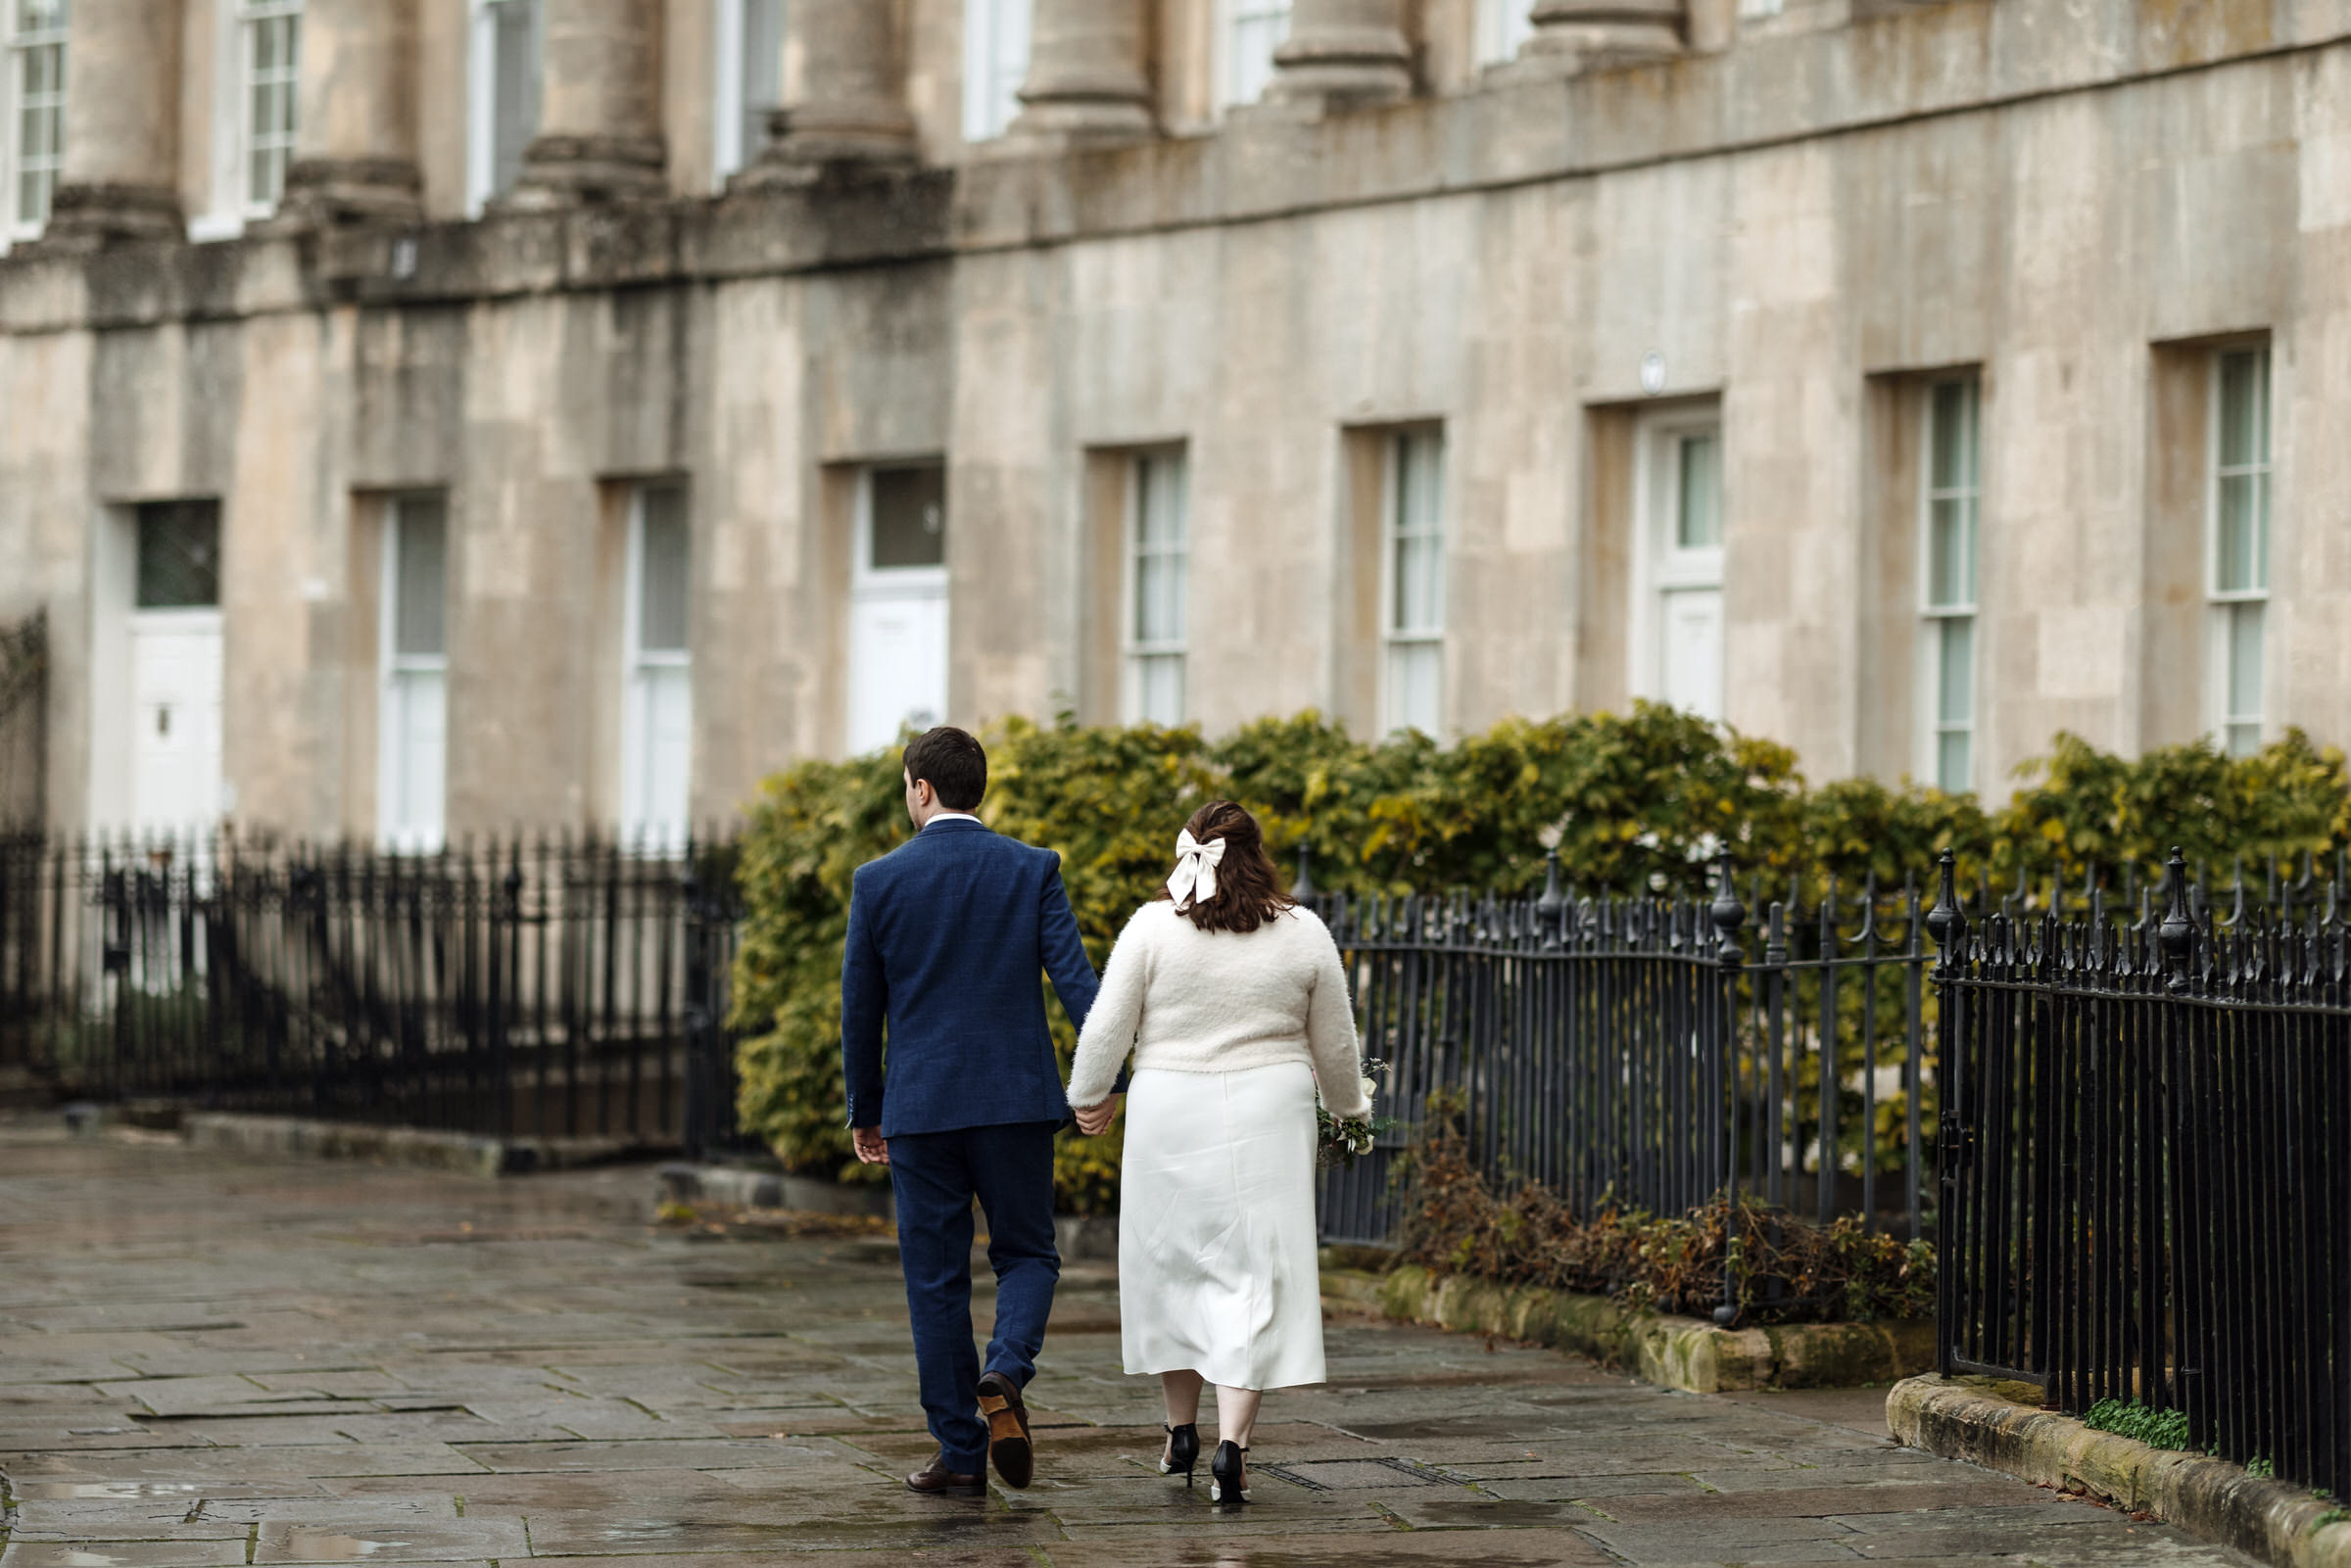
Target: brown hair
x=1248, y=889
x=954, y=763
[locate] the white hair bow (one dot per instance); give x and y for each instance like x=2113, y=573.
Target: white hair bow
x=1194, y=880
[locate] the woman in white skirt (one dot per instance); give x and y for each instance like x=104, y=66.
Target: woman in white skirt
x=1234, y=1003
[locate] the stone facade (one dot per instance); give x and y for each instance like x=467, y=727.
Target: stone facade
x=1787, y=226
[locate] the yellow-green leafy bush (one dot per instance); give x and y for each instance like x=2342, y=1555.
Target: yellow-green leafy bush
x=1640, y=801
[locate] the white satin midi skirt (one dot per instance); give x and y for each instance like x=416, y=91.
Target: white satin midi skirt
x=1216, y=1244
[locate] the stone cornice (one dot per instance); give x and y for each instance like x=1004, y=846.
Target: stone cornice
x=1524, y=126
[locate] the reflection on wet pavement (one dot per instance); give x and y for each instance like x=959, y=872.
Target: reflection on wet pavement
x=206, y=1361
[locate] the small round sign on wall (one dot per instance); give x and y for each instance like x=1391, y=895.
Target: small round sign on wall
x=1653, y=372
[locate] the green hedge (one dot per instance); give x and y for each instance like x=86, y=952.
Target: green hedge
x=1632, y=801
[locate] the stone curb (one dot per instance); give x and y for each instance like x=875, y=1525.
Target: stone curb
x=2001, y=1426
x=1675, y=1352
x=396, y=1146
x=1081, y=1239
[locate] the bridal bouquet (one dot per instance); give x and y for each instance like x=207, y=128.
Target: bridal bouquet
x=1342, y=1140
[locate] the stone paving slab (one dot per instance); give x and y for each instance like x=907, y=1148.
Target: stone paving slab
x=207, y=1358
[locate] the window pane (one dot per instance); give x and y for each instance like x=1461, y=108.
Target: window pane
x=662, y=584
x=179, y=555
x=762, y=70
x=1258, y=29
x=420, y=577
x=2237, y=556
x=1158, y=598
x=1950, y=552
x=1504, y=25
x=514, y=117
x=2244, y=407
x=1415, y=680
x=1698, y=524
x=1953, y=761
x=1417, y=559
x=1159, y=689
x=40, y=16
x=1955, y=671
x=2244, y=662
x=910, y=517
x=1948, y=466
x=1160, y=491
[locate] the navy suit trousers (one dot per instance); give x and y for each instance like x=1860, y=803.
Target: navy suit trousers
x=1009, y=1168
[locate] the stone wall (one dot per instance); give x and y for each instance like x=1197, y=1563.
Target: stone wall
x=1801, y=223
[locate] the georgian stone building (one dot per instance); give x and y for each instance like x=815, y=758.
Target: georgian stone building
x=424, y=416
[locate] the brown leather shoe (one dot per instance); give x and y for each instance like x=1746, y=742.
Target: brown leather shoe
x=1007, y=1429
x=936, y=1479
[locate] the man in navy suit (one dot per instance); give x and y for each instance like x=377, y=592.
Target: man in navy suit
x=947, y=934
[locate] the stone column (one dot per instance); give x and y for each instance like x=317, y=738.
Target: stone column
x=355, y=155
x=1584, y=33
x=1342, y=52
x=600, y=106
x=1085, y=72
x=842, y=101
x=119, y=172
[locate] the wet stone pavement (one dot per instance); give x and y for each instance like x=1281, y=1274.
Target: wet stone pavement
x=212, y=1361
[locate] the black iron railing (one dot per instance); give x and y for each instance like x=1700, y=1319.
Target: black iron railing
x=549, y=987
x=2147, y=1166
x=1634, y=1052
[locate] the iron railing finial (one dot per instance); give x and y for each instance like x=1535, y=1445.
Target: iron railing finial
x=1551, y=910
x=2177, y=932
x=1727, y=913
x=1946, y=923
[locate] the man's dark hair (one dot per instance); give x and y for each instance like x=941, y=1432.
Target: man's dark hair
x=955, y=764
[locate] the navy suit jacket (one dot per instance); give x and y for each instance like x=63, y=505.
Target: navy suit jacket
x=947, y=934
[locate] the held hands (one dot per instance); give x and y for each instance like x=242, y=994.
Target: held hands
x=872, y=1148
x=1094, y=1119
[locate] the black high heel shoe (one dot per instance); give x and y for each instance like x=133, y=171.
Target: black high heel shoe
x=1226, y=1473
x=1183, y=1452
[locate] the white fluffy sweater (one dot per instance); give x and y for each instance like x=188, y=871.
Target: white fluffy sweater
x=1192, y=1001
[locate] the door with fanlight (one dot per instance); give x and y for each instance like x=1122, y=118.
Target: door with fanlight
x=1681, y=622
x=898, y=604
x=175, y=670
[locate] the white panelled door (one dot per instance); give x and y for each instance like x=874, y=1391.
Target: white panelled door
x=897, y=664
x=898, y=606
x=1692, y=623
x=1682, y=661
x=175, y=752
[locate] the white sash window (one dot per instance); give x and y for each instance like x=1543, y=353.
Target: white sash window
x=503, y=91
x=750, y=79
x=272, y=50
x=1948, y=504
x=657, y=707
x=1253, y=29
x=1503, y=27
x=1415, y=676
x=415, y=759
x=2239, y=553
x=1159, y=566
x=33, y=134
x=995, y=62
